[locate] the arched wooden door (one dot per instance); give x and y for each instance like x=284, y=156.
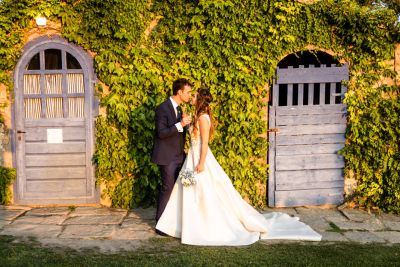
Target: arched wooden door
x=307, y=124
x=53, y=124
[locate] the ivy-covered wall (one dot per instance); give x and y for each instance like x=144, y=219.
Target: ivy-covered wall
x=141, y=47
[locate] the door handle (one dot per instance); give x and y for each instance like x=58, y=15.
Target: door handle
x=20, y=132
x=273, y=130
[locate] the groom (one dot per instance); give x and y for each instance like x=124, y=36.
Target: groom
x=169, y=139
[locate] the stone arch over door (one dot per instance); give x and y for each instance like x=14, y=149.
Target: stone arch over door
x=53, y=124
x=307, y=123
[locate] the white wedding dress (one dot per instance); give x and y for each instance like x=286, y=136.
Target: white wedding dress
x=212, y=212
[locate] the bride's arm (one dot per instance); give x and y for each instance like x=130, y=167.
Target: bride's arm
x=204, y=134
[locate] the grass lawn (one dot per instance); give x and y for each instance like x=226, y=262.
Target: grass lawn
x=169, y=252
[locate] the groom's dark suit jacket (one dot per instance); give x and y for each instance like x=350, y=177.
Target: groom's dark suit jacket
x=168, y=142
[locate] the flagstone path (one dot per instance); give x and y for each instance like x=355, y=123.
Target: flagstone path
x=115, y=229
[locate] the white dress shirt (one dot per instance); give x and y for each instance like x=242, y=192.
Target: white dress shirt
x=178, y=125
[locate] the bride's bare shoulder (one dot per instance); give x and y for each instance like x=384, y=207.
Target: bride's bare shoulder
x=204, y=119
x=204, y=116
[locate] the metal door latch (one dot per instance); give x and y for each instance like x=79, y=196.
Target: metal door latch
x=19, y=136
x=273, y=130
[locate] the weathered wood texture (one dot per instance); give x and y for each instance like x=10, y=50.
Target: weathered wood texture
x=55, y=170
x=69, y=133
x=70, y=172
x=312, y=75
x=271, y=156
x=54, y=127
x=305, y=167
x=57, y=188
x=318, y=196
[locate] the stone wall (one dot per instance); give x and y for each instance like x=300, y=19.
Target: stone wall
x=55, y=28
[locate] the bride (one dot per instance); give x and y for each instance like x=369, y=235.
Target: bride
x=211, y=212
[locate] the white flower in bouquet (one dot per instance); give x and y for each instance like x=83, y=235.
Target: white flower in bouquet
x=187, y=177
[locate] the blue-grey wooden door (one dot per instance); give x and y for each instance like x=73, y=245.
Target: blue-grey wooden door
x=307, y=123
x=53, y=128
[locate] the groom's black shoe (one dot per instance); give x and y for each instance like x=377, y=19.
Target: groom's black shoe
x=160, y=233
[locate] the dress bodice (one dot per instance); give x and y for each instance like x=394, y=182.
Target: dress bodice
x=195, y=138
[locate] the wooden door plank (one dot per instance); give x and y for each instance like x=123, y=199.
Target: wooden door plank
x=310, y=110
x=343, y=90
x=309, y=149
x=282, y=140
x=70, y=172
x=322, y=93
x=332, y=94
x=69, y=134
x=309, y=197
x=337, y=118
x=305, y=162
x=275, y=95
x=55, y=160
x=309, y=176
x=304, y=185
x=300, y=94
x=289, y=96
x=54, y=188
x=65, y=122
x=310, y=94
x=312, y=75
x=312, y=129
x=45, y=148
x=271, y=157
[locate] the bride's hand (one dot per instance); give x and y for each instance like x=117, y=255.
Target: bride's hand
x=199, y=168
x=186, y=120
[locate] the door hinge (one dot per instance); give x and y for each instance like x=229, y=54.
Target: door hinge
x=273, y=130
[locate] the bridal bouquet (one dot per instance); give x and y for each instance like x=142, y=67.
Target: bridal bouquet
x=187, y=177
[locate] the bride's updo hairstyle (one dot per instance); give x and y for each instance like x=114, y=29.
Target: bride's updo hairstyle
x=203, y=101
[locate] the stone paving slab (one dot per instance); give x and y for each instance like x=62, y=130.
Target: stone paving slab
x=290, y=211
x=132, y=234
x=139, y=221
x=357, y=215
x=81, y=211
x=318, y=212
x=144, y=214
x=9, y=215
x=389, y=217
x=136, y=225
x=395, y=226
x=40, y=231
x=3, y=223
x=333, y=237
x=315, y=222
x=88, y=231
x=363, y=237
x=370, y=225
x=95, y=219
x=56, y=219
x=48, y=211
x=390, y=236
x=119, y=226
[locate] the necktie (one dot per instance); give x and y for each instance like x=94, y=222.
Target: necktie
x=179, y=113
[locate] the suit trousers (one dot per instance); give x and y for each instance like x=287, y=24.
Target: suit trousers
x=169, y=174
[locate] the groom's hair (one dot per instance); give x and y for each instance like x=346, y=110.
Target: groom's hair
x=179, y=84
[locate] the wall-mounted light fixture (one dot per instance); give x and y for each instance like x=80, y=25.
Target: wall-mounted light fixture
x=41, y=21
